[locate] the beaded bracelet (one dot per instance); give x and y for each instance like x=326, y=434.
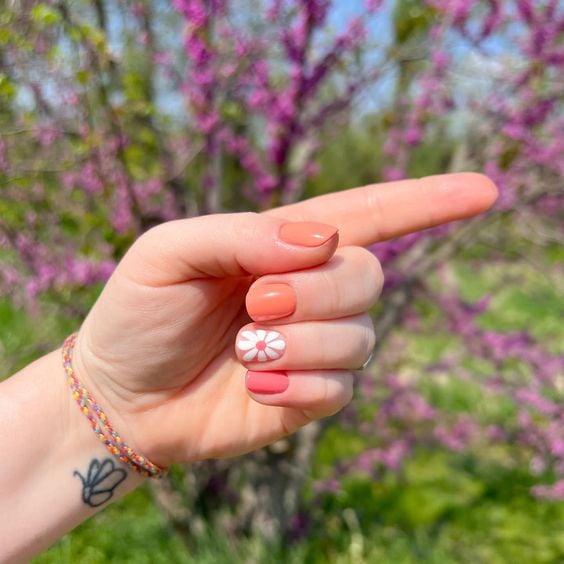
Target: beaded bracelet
x=96, y=416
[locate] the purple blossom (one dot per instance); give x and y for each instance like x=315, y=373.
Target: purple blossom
x=535, y=400
x=554, y=492
x=457, y=437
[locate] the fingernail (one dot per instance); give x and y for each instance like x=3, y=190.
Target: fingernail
x=267, y=382
x=307, y=233
x=271, y=301
x=261, y=345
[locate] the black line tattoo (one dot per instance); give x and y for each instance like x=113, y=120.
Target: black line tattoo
x=101, y=481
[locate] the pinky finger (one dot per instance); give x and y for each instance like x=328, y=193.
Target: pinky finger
x=316, y=394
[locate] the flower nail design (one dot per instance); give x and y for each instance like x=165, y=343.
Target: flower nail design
x=261, y=345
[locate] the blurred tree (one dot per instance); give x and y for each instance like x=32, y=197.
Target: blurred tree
x=109, y=124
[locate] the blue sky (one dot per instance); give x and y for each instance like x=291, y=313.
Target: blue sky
x=380, y=29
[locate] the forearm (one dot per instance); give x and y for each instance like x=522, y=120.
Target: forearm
x=47, y=449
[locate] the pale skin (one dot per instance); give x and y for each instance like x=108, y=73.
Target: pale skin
x=158, y=351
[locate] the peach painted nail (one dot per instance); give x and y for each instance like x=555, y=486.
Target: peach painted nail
x=271, y=301
x=267, y=382
x=307, y=233
x=261, y=345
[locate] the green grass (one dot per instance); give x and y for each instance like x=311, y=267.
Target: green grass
x=131, y=530
x=442, y=508
x=441, y=511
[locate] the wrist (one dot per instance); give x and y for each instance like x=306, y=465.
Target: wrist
x=80, y=438
x=105, y=416
x=48, y=444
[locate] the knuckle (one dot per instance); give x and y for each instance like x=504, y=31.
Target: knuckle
x=369, y=337
x=334, y=293
x=324, y=392
x=149, y=251
x=245, y=225
x=374, y=276
x=159, y=241
x=368, y=269
x=339, y=392
x=244, y=217
x=348, y=389
x=152, y=235
x=364, y=341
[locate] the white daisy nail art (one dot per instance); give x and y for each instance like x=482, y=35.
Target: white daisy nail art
x=261, y=345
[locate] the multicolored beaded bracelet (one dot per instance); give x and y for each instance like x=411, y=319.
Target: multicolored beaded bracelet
x=95, y=414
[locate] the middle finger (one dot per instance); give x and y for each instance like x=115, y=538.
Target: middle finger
x=348, y=284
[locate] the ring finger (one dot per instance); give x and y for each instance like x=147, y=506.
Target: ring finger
x=343, y=343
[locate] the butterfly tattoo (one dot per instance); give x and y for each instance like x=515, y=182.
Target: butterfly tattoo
x=101, y=481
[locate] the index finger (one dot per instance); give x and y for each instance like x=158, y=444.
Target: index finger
x=382, y=211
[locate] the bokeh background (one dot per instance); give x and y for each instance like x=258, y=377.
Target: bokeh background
x=116, y=115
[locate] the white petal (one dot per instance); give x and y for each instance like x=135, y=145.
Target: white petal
x=279, y=345
x=271, y=336
x=250, y=335
x=261, y=334
x=271, y=353
x=250, y=355
x=261, y=356
x=245, y=345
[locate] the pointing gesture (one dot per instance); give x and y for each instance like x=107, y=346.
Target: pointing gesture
x=219, y=334
x=214, y=336
x=379, y=212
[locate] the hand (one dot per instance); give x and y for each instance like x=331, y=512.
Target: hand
x=158, y=349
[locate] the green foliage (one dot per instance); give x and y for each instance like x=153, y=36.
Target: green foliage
x=355, y=157
x=337, y=444
x=7, y=87
x=443, y=508
x=141, y=530
x=411, y=20
x=523, y=298
x=45, y=15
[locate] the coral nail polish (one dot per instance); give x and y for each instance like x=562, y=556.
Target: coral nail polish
x=267, y=382
x=271, y=301
x=307, y=233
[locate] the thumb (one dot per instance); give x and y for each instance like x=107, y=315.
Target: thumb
x=221, y=245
